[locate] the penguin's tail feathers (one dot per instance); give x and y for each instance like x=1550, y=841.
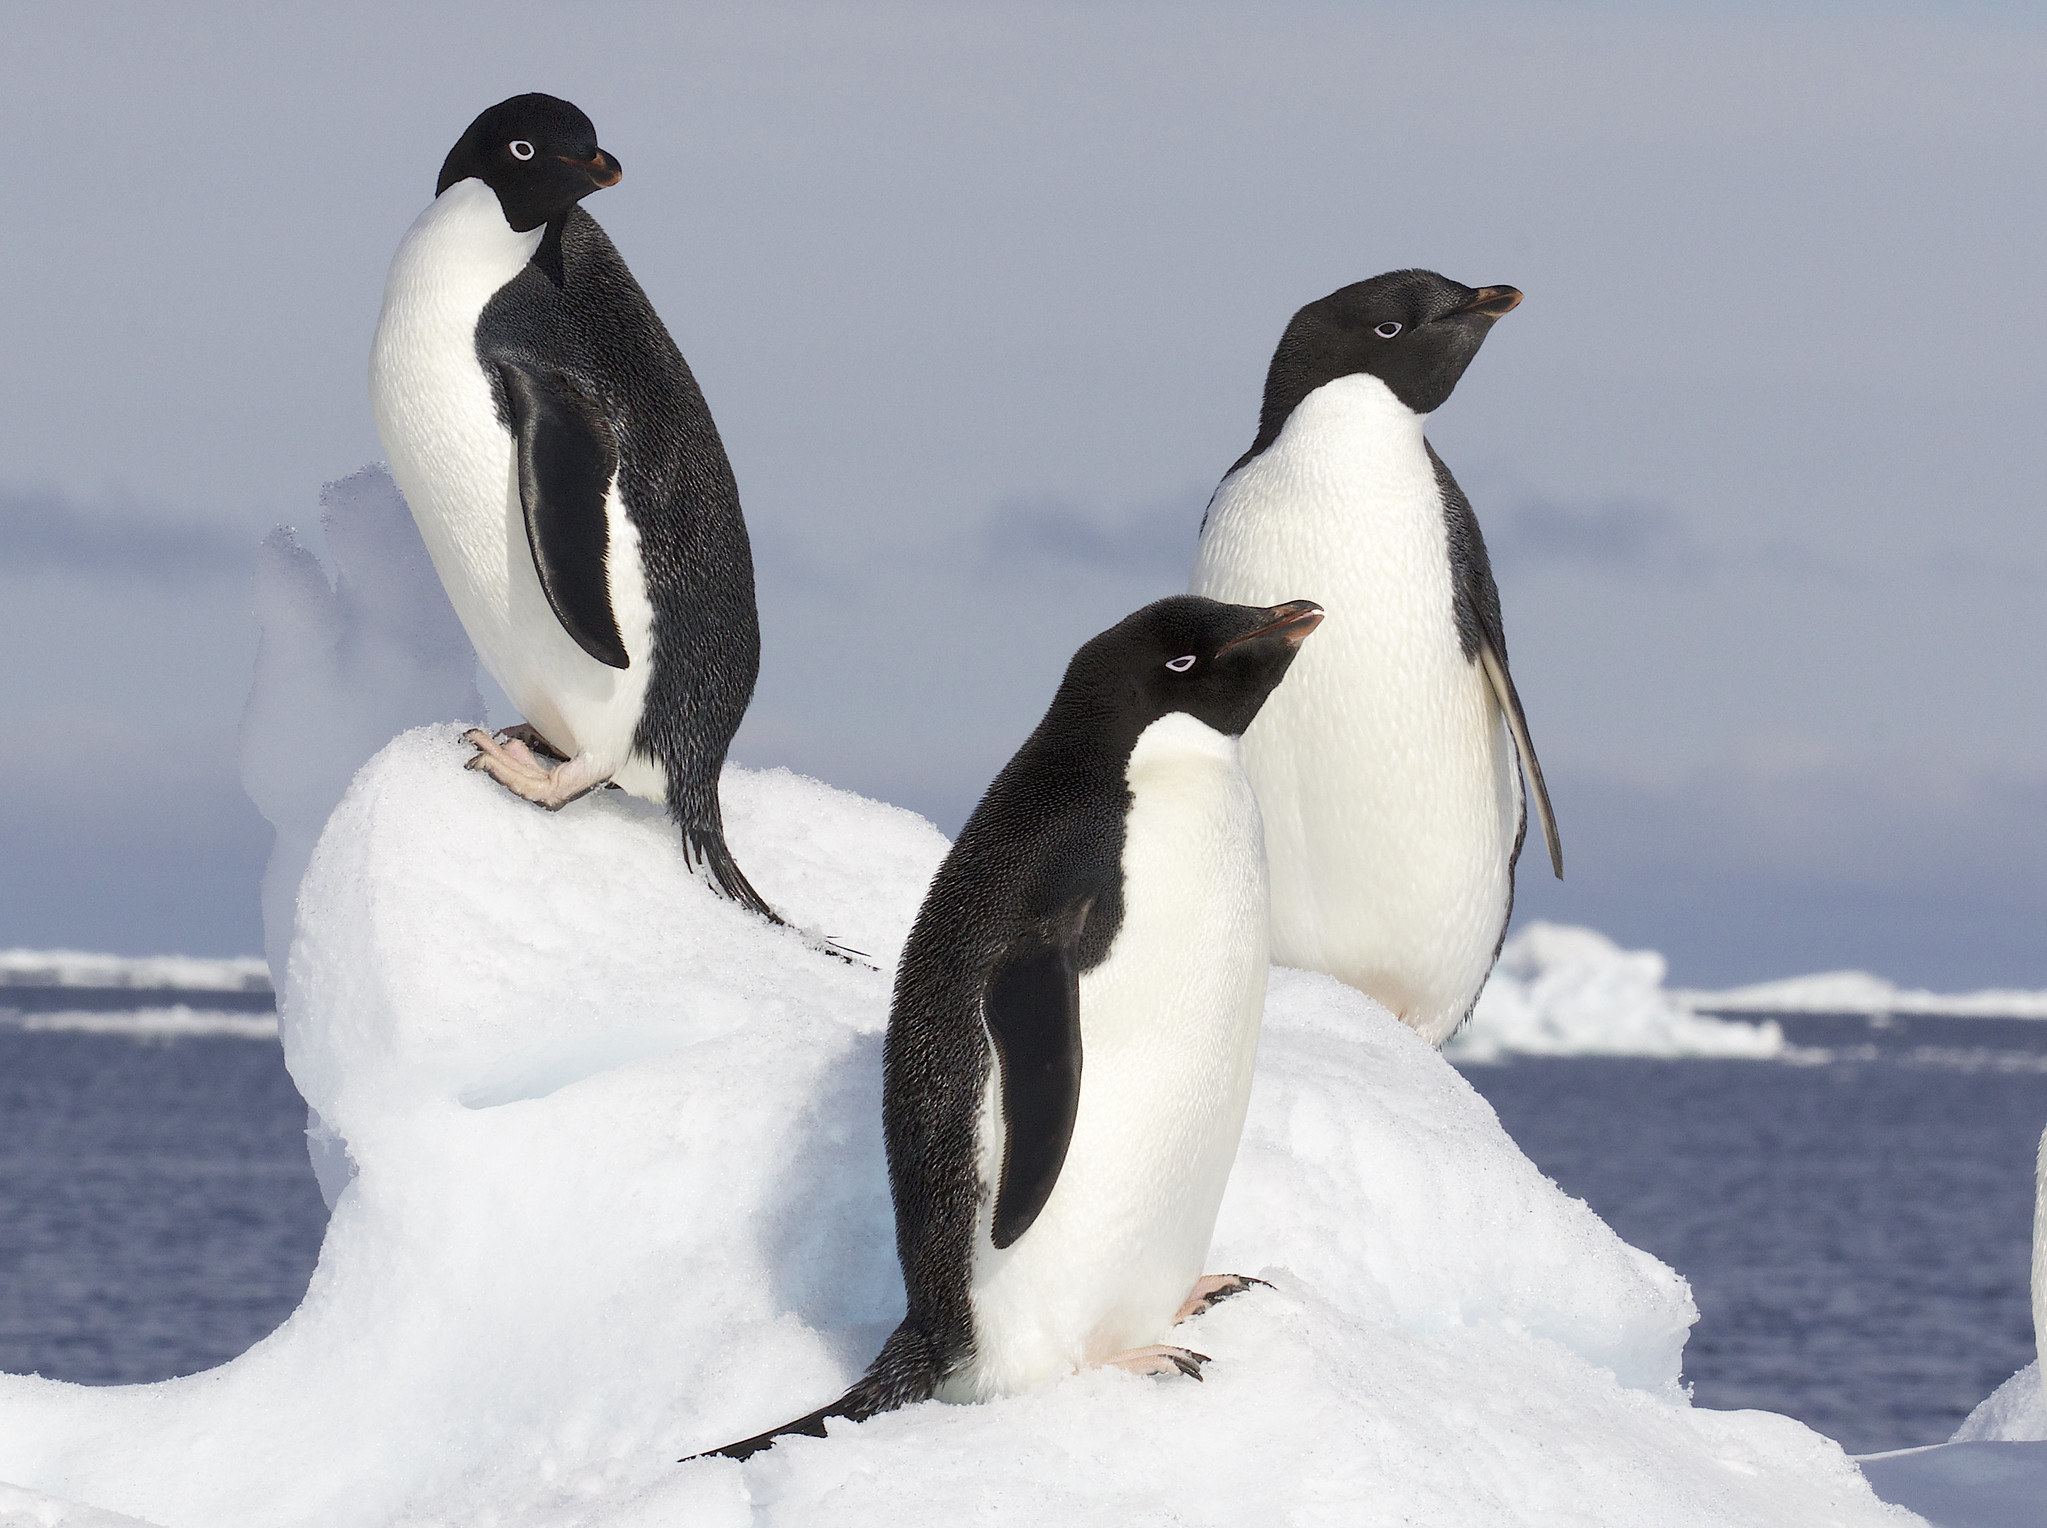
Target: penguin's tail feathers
x=706, y=850
x=903, y=1373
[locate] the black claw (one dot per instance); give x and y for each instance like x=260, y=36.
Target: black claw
x=1240, y=1283
x=525, y=732
x=1189, y=1363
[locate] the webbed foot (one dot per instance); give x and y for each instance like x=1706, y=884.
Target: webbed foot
x=515, y=766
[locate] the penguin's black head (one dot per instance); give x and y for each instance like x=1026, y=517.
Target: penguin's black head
x=1214, y=661
x=1413, y=330
x=537, y=152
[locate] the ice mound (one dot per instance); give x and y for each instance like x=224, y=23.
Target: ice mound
x=620, y=1196
x=2015, y=1412
x=1859, y=992
x=344, y=664
x=1560, y=991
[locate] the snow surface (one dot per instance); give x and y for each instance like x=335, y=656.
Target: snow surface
x=1859, y=992
x=1966, y=1485
x=620, y=1196
x=80, y=968
x=2015, y=1412
x=1560, y=991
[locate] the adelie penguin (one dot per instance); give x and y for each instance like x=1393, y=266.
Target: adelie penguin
x=568, y=481
x=1394, y=813
x=1076, y=1013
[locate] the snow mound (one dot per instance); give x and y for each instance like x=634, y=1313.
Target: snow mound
x=32, y=1509
x=1560, y=991
x=344, y=665
x=620, y=1196
x=173, y=1023
x=79, y=968
x=1857, y=992
x=2015, y=1412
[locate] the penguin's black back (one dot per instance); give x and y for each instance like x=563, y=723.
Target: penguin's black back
x=576, y=310
x=1048, y=834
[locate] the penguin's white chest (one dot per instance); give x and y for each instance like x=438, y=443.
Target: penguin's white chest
x=1169, y=1032
x=454, y=461
x=1382, y=765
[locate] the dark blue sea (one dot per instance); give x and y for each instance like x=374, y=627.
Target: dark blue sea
x=1857, y=1229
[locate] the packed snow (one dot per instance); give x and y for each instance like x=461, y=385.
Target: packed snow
x=620, y=1196
x=1857, y=992
x=79, y=968
x=1560, y=991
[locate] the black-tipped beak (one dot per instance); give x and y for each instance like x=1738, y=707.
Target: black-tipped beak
x=1492, y=302
x=603, y=169
x=1290, y=622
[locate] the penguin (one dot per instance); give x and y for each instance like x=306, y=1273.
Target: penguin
x=1075, y=1017
x=568, y=481
x=1394, y=812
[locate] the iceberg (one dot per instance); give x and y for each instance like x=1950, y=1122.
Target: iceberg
x=1562, y=991
x=1858, y=992
x=605, y=1160
x=619, y=1195
x=144, y=973
x=178, y=1021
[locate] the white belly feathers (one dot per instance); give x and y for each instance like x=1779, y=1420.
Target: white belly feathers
x=1382, y=765
x=454, y=463
x=1167, y=1046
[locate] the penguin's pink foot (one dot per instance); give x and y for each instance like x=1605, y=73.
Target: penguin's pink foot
x=1212, y=1289
x=519, y=770
x=1159, y=1359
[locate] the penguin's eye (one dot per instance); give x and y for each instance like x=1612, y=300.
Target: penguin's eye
x=1387, y=330
x=1180, y=665
x=521, y=149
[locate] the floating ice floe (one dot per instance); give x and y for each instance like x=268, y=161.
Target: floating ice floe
x=173, y=1023
x=1561, y=991
x=619, y=1195
x=81, y=968
x=1857, y=992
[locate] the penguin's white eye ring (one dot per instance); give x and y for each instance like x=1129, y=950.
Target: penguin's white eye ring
x=1387, y=330
x=1180, y=665
x=520, y=148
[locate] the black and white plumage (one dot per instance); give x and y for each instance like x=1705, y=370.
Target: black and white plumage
x=1394, y=813
x=568, y=481
x=1076, y=1014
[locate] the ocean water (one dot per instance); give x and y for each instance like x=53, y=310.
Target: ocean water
x=1856, y=1225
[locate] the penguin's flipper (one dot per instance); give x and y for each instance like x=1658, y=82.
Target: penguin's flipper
x=1531, y=766
x=567, y=459
x=1032, y=1008
x=1482, y=634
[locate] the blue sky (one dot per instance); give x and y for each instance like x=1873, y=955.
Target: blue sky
x=982, y=298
